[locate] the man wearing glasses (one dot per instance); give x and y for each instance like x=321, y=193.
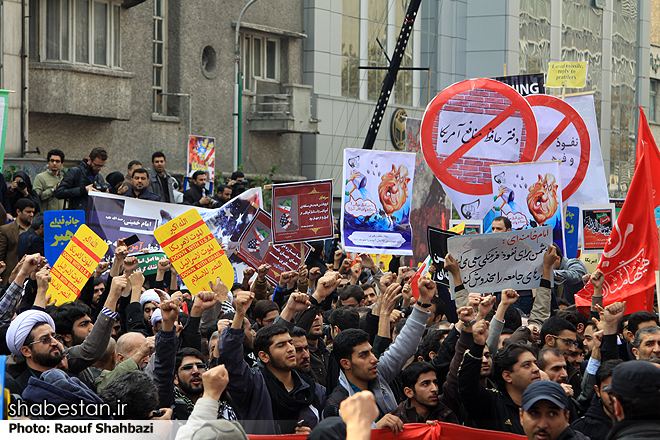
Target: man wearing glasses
x=45, y=183
x=80, y=180
x=561, y=334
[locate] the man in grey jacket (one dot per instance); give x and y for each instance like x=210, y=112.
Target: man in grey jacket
x=160, y=182
x=361, y=370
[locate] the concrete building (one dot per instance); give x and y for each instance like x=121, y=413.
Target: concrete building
x=123, y=74
x=460, y=39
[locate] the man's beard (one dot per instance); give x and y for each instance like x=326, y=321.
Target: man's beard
x=76, y=340
x=49, y=360
x=191, y=390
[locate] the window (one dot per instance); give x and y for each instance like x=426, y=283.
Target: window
x=350, y=48
x=76, y=31
x=378, y=12
x=653, y=101
x=260, y=57
x=404, y=79
x=159, y=53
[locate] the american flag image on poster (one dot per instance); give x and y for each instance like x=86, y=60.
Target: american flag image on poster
x=254, y=244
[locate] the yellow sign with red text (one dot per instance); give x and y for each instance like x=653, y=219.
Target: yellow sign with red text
x=75, y=265
x=195, y=253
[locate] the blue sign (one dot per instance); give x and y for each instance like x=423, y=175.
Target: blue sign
x=571, y=231
x=59, y=227
x=3, y=404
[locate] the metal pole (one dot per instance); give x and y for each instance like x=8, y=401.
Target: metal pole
x=237, y=59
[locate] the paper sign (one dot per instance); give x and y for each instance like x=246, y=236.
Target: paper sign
x=530, y=84
x=571, y=74
x=302, y=212
x=437, y=239
x=201, y=155
x=572, y=230
x=529, y=194
x=590, y=260
x=148, y=263
x=75, y=265
x=469, y=228
x=597, y=222
x=508, y=260
x=195, y=253
x=255, y=248
x=377, y=192
x=59, y=227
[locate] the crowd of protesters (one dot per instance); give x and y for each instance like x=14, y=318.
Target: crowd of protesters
x=333, y=350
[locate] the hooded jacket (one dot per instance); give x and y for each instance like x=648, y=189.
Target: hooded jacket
x=595, y=423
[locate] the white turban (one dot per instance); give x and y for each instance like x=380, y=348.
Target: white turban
x=156, y=316
x=150, y=295
x=20, y=328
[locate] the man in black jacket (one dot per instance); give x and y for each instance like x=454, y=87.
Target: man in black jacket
x=636, y=397
x=140, y=187
x=197, y=194
x=598, y=420
x=80, y=180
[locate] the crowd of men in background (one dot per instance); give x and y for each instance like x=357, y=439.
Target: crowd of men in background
x=335, y=349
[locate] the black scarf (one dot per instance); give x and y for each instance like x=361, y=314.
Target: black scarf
x=287, y=406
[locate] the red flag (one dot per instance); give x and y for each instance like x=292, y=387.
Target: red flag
x=630, y=257
x=421, y=272
x=646, y=143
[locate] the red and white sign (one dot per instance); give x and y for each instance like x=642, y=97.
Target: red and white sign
x=562, y=136
x=468, y=127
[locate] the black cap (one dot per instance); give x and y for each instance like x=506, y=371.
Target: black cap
x=545, y=390
x=636, y=379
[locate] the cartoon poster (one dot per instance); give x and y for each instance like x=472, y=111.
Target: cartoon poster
x=256, y=247
x=529, y=194
x=377, y=190
x=597, y=222
x=195, y=253
x=59, y=227
x=302, y=212
x=201, y=155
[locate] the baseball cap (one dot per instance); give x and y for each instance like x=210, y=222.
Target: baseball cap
x=545, y=390
x=636, y=379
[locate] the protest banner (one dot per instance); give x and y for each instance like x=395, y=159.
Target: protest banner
x=302, y=212
x=466, y=227
x=562, y=136
x=418, y=431
x=593, y=188
x=572, y=231
x=3, y=393
x=596, y=222
x=530, y=84
x=201, y=155
x=195, y=253
x=508, y=260
x=630, y=257
x=529, y=194
x=59, y=227
x=75, y=265
x=4, y=110
x=571, y=74
x=113, y=217
x=255, y=248
x=468, y=127
x=618, y=204
x=377, y=189
x=437, y=239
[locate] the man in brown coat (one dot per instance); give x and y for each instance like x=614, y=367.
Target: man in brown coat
x=9, y=235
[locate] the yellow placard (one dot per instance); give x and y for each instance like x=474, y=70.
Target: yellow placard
x=76, y=265
x=567, y=74
x=590, y=260
x=195, y=253
x=459, y=228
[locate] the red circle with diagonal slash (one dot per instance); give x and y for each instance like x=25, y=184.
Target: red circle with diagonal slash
x=571, y=116
x=440, y=169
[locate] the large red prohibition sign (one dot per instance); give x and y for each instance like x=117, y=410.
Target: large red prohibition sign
x=440, y=169
x=570, y=117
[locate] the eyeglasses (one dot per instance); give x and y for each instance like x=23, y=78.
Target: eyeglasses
x=568, y=342
x=200, y=366
x=46, y=340
x=96, y=165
